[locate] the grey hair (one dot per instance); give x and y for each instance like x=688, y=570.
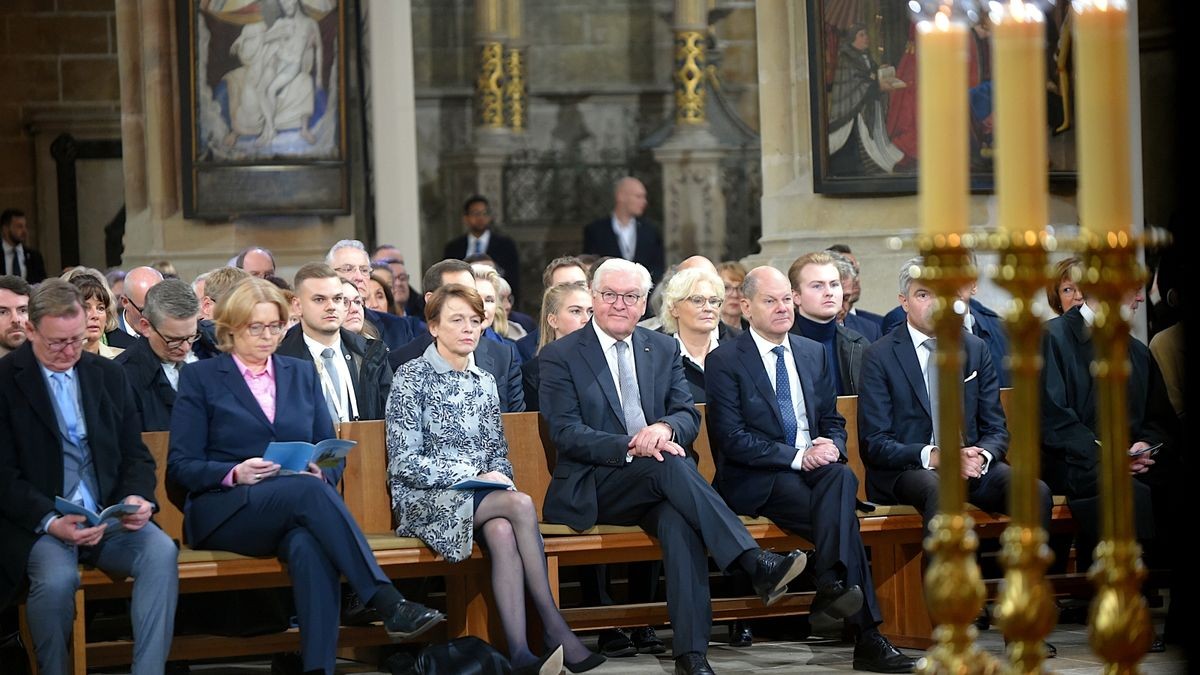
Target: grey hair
x=906, y=276
x=845, y=268
x=345, y=243
x=678, y=288
x=622, y=265
x=199, y=278
x=170, y=299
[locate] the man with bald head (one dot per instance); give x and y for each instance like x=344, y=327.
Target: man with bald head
x=137, y=283
x=624, y=233
x=780, y=449
x=257, y=261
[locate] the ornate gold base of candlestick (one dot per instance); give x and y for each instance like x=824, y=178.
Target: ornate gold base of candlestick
x=1025, y=608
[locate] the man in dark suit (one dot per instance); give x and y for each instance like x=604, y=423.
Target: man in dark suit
x=71, y=430
x=152, y=364
x=897, y=412
x=498, y=358
x=19, y=259
x=817, y=291
x=482, y=238
x=779, y=444
x=349, y=259
x=620, y=417
x=625, y=234
x=859, y=320
x=355, y=380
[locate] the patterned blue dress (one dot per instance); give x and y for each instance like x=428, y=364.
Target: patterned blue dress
x=443, y=425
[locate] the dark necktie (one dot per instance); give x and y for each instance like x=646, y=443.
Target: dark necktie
x=931, y=383
x=783, y=397
x=15, y=265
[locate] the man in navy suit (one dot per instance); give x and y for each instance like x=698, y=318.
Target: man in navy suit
x=482, y=238
x=19, y=260
x=620, y=416
x=897, y=415
x=498, y=358
x=70, y=428
x=779, y=444
x=625, y=234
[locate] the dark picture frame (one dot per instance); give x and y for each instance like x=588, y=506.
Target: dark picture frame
x=263, y=108
x=865, y=134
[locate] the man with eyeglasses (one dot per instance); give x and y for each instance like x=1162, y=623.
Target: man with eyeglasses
x=138, y=282
x=70, y=430
x=349, y=259
x=355, y=379
x=817, y=294
x=621, y=416
x=169, y=326
x=481, y=238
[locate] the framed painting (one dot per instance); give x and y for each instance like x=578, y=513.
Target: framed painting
x=263, y=110
x=862, y=58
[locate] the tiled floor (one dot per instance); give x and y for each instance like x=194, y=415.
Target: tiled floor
x=808, y=656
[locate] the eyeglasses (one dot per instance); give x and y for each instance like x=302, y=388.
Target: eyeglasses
x=62, y=345
x=610, y=298
x=135, y=305
x=176, y=343
x=353, y=301
x=349, y=269
x=257, y=329
x=698, y=301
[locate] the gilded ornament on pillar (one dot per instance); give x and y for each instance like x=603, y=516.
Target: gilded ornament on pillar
x=489, y=93
x=514, y=88
x=689, y=77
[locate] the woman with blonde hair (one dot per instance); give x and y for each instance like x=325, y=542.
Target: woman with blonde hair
x=99, y=306
x=733, y=273
x=565, y=309
x=691, y=311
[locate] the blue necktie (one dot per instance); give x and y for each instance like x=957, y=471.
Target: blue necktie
x=67, y=406
x=783, y=397
x=477, y=248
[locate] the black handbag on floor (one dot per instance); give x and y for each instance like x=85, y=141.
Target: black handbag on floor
x=464, y=656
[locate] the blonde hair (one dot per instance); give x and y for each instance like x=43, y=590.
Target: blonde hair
x=552, y=302
x=93, y=285
x=233, y=311
x=489, y=274
x=679, y=287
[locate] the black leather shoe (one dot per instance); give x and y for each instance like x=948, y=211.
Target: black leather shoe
x=549, y=664
x=1158, y=646
x=693, y=663
x=615, y=644
x=647, y=641
x=773, y=572
x=409, y=619
x=587, y=664
x=355, y=613
x=876, y=653
x=1051, y=650
x=837, y=600
x=740, y=634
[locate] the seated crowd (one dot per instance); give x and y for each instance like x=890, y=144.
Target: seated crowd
x=240, y=357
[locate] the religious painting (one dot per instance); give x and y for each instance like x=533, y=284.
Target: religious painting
x=863, y=76
x=264, y=107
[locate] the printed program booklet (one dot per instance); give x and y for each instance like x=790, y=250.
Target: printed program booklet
x=477, y=484
x=294, y=456
x=112, y=513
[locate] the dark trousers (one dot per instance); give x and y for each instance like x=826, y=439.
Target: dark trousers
x=819, y=506
x=303, y=521
x=672, y=501
x=919, y=488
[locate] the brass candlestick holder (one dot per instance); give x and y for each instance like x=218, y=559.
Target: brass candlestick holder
x=954, y=588
x=1025, y=607
x=1118, y=624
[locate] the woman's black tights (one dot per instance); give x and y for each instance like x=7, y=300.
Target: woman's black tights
x=508, y=524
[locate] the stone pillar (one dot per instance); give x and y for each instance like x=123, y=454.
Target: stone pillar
x=394, y=134
x=515, y=95
x=693, y=203
x=490, y=34
x=133, y=115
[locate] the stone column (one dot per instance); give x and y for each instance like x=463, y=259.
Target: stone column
x=394, y=134
x=515, y=94
x=490, y=34
x=693, y=203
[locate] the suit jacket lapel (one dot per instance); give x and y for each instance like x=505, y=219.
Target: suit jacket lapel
x=589, y=347
x=752, y=362
x=91, y=391
x=906, y=356
x=237, y=385
x=643, y=359
x=33, y=385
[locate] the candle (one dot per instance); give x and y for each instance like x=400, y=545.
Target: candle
x=1102, y=106
x=1018, y=58
x=942, y=130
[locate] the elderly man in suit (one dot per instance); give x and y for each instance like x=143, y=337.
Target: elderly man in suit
x=498, y=358
x=349, y=259
x=625, y=234
x=779, y=443
x=897, y=415
x=620, y=417
x=169, y=326
x=71, y=430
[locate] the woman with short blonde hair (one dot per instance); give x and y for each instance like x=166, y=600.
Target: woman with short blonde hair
x=99, y=308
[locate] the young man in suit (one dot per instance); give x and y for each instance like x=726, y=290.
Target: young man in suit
x=625, y=234
x=817, y=291
x=14, y=313
x=620, y=415
x=169, y=329
x=71, y=429
x=19, y=260
x=779, y=444
x=498, y=358
x=897, y=415
x=482, y=238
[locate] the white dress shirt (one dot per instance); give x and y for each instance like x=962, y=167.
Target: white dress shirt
x=626, y=236
x=172, y=372
x=483, y=239
x=764, y=346
x=923, y=357
x=608, y=345
x=346, y=402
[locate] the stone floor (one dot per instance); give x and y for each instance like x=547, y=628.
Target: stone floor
x=806, y=656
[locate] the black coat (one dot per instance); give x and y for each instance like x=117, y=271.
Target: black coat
x=31, y=456
x=151, y=389
x=865, y=324
x=850, y=347
x=500, y=248
x=499, y=359
x=694, y=374
x=369, y=368
x=599, y=239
